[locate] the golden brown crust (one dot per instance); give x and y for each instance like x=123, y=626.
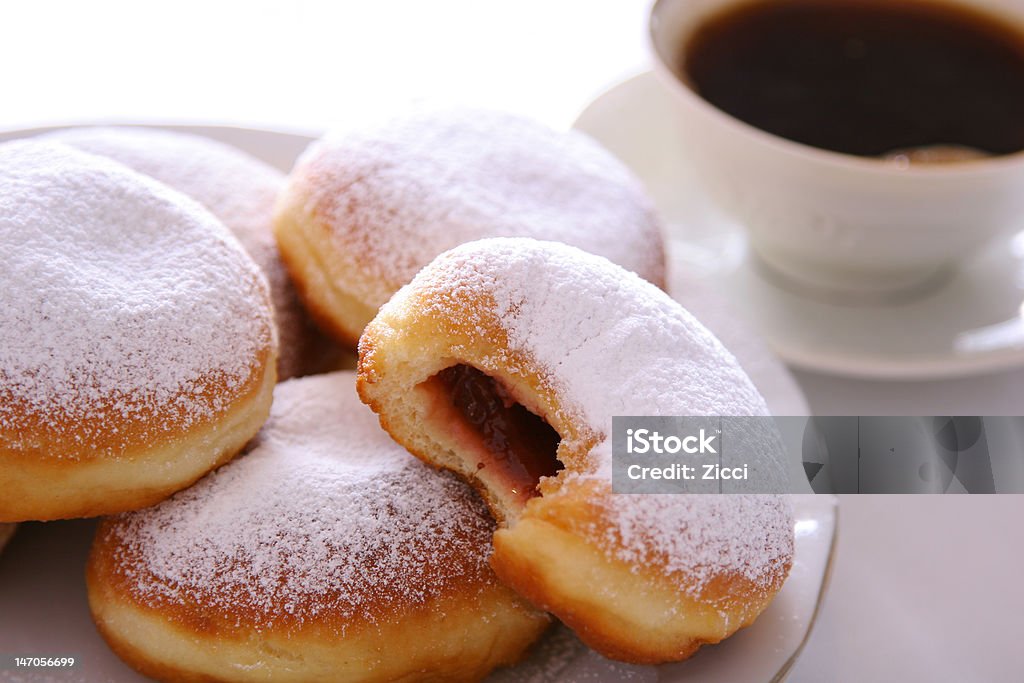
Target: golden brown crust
x=638, y=613
x=107, y=433
x=128, y=468
x=125, y=569
x=441, y=640
x=316, y=272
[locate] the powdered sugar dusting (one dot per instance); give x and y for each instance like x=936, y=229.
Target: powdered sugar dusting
x=324, y=517
x=613, y=344
x=400, y=193
x=238, y=189
x=118, y=298
x=703, y=536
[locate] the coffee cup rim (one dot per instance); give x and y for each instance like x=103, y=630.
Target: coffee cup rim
x=969, y=167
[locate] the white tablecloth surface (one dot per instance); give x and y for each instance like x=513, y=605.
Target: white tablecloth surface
x=925, y=589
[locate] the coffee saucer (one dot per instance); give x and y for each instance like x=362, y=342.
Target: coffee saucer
x=970, y=322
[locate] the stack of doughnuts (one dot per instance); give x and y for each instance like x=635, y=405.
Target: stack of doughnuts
x=503, y=284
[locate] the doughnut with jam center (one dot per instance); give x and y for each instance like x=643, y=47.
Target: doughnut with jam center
x=504, y=361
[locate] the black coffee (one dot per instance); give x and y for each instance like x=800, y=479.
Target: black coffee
x=865, y=77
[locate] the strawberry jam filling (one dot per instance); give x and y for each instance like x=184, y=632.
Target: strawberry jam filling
x=517, y=446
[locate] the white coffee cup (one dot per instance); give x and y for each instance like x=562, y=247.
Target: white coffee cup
x=832, y=223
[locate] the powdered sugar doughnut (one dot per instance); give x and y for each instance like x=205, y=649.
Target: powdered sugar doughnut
x=325, y=553
x=238, y=189
x=137, y=344
x=363, y=211
x=504, y=360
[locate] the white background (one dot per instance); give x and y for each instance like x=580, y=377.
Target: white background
x=925, y=589
x=306, y=64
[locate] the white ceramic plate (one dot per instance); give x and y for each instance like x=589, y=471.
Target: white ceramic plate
x=971, y=323
x=44, y=612
x=43, y=608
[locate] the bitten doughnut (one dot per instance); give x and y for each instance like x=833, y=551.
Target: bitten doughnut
x=326, y=553
x=504, y=361
x=238, y=189
x=363, y=211
x=137, y=344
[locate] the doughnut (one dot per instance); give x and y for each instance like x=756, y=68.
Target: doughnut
x=504, y=361
x=6, y=531
x=137, y=344
x=363, y=211
x=325, y=553
x=238, y=189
